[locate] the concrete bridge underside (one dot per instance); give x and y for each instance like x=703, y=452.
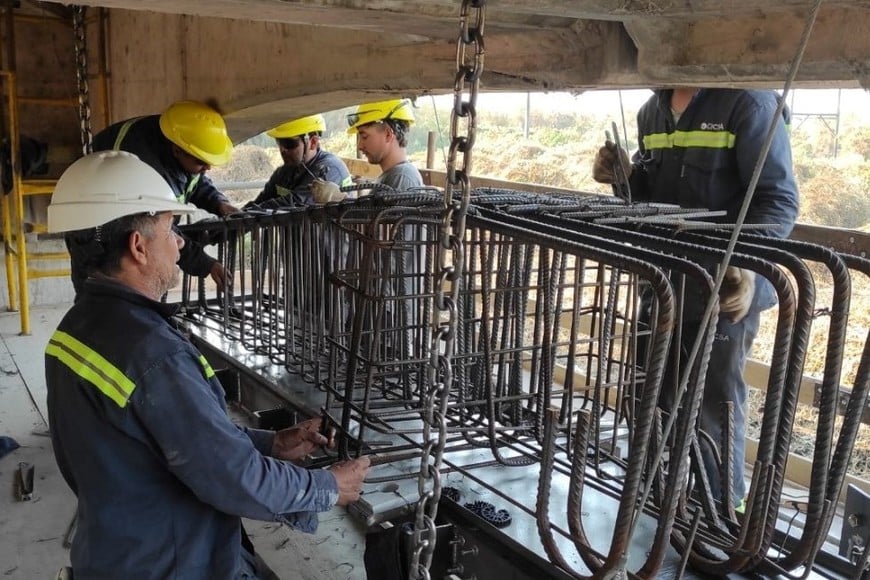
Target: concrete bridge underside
x=265, y=60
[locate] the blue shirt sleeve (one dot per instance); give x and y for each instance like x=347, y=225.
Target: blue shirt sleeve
x=776, y=196
x=218, y=461
x=262, y=439
x=333, y=169
x=206, y=196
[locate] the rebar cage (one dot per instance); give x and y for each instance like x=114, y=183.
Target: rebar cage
x=578, y=371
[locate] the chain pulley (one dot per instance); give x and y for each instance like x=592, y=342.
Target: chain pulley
x=81, y=54
x=457, y=193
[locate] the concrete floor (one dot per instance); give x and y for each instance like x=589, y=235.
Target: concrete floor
x=32, y=533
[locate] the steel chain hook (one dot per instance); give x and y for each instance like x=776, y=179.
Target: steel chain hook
x=469, y=67
x=81, y=53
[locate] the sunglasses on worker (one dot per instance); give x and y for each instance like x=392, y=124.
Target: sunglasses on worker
x=353, y=118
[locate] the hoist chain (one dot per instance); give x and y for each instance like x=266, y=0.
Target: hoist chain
x=81, y=51
x=469, y=67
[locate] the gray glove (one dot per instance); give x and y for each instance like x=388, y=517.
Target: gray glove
x=326, y=192
x=735, y=295
x=604, y=167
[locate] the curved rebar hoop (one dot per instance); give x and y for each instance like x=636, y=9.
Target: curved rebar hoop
x=801, y=552
x=825, y=491
x=639, y=252
x=488, y=336
x=591, y=558
x=779, y=365
x=542, y=506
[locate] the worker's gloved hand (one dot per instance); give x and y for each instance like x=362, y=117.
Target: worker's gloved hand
x=604, y=168
x=735, y=295
x=349, y=475
x=326, y=191
x=220, y=276
x=300, y=440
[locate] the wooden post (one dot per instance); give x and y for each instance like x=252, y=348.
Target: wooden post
x=430, y=150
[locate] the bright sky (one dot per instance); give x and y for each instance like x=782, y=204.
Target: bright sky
x=815, y=101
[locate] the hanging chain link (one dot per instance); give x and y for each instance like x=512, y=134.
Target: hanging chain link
x=81, y=50
x=469, y=67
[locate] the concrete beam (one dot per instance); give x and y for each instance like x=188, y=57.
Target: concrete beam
x=265, y=60
x=755, y=49
x=301, y=12
x=261, y=73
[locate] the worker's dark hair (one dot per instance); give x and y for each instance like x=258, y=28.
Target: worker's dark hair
x=100, y=249
x=400, y=130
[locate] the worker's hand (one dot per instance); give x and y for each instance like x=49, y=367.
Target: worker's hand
x=220, y=276
x=225, y=208
x=735, y=295
x=604, y=168
x=300, y=440
x=349, y=475
x=326, y=191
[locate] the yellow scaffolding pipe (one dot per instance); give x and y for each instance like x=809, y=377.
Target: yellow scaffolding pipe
x=8, y=251
x=48, y=255
x=12, y=205
x=56, y=273
x=17, y=207
x=38, y=186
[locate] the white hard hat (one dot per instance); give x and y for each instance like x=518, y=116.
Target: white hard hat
x=105, y=186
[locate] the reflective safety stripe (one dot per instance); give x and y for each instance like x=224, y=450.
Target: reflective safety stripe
x=283, y=191
x=123, y=133
x=209, y=372
x=708, y=139
x=346, y=181
x=91, y=366
x=194, y=181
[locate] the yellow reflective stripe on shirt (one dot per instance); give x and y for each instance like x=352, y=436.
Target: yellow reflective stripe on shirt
x=708, y=139
x=191, y=185
x=91, y=366
x=346, y=181
x=123, y=133
x=209, y=372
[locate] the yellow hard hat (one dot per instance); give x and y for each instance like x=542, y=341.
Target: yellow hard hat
x=298, y=127
x=399, y=109
x=199, y=130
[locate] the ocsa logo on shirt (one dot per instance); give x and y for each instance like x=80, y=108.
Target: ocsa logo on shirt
x=712, y=126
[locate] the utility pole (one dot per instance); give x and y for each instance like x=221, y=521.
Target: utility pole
x=526, y=117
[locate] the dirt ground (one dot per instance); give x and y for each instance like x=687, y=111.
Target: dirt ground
x=806, y=420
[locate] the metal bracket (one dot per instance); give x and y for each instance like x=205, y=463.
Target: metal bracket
x=24, y=477
x=856, y=526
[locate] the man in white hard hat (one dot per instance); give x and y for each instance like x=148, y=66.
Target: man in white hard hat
x=138, y=420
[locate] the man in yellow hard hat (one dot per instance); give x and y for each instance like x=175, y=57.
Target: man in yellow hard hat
x=181, y=144
x=381, y=130
x=304, y=162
